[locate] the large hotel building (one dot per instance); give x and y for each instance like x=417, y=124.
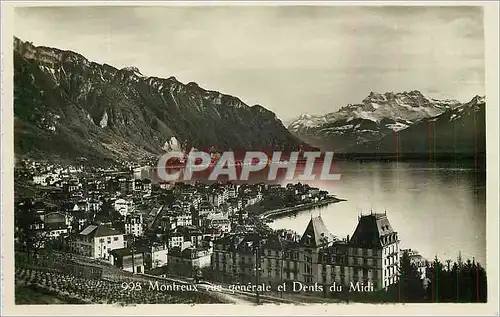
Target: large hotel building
x=370, y=256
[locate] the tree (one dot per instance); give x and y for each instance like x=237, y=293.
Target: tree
x=435, y=274
x=29, y=229
x=462, y=282
x=410, y=284
x=157, y=263
x=197, y=274
x=481, y=284
x=207, y=273
x=108, y=212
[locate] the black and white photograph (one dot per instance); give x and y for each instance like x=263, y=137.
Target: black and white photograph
x=250, y=154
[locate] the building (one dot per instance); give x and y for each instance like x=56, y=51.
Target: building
x=56, y=218
x=146, y=187
x=78, y=220
x=125, y=185
x=124, y=206
x=72, y=185
x=252, y=198
x=174, y=219
x=367, y=259
x=94, y=206
x=218, y=221
x=313, y=192
x=82, y=205
x=185, y=237
x=40, y=179
x=300, y=261
x=134, y=225
x=234, y=258
x=190, y=261
x=236, y=204
x=217, y=197
x=137, y=185
x=129, y=259
x=183, y=219
x=176, y=240
x=374, y=232
x=40, y=209
x=142, y=186
x=205, y=208
x=97, y=241
x=56, y=230
x=419, y=261
x=159, y=255
x=232, y=191
x=166, y=185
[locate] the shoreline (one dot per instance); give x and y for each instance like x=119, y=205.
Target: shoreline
x=412, y=157
x=276, y=213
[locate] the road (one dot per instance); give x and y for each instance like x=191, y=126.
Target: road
x=244, y=297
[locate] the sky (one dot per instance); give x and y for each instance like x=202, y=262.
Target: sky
x=289, y=59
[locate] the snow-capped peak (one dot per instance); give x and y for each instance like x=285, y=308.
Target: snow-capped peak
x=393, y=110
x=445, y=101
x=306, y=121
x=374, y=97
x=478, y=99
x=304, y=116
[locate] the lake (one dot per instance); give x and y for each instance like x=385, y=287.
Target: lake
x=437, y=209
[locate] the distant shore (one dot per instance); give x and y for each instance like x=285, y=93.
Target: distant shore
x=276, y=213
x=478, y=157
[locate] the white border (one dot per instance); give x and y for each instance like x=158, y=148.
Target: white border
x=492, y=84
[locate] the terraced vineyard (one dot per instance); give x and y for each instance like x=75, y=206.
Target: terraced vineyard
x=74, y=282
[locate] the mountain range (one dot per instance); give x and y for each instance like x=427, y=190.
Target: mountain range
x=66, y=107
x=399, y=124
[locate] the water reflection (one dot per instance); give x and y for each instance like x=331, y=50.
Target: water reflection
x=438, y=209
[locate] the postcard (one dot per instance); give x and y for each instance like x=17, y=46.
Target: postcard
x=234, y=158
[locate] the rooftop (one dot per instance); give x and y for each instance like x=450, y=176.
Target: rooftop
x=317, y=232
x=373, y=231
x=127, y=251
x=55, y=226
x=99, y=231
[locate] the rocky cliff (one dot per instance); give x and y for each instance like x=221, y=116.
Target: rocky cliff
x=66, y=106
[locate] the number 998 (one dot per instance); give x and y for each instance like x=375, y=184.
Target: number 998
x=131, y=286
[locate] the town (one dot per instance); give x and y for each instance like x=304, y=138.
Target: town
x=200, y=232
